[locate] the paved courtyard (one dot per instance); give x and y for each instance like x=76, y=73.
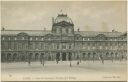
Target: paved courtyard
x=86, y=70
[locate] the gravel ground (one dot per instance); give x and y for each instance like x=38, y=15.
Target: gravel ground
x=86, y=70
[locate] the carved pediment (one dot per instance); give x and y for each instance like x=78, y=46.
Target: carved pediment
x=22, y=34
x=101, y=37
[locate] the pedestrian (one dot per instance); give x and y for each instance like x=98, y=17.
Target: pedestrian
x=77, y=62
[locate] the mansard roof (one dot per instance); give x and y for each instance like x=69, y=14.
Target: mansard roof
x=29, y=32
x=44, y=32
x=95, y=33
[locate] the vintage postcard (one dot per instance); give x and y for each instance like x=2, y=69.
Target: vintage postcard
x=63, y=41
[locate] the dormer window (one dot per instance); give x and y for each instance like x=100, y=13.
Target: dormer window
x=23, y=38
x=42, y=38
x=3, y=38
x=36, y=38
x=9, y=38
x=57, y=46
x=30, y=38
x=15, y=38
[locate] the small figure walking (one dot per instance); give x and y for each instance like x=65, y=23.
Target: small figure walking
x=102, y=59
x=78, y=63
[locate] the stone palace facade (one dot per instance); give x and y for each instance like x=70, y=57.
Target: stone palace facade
x=62, y=42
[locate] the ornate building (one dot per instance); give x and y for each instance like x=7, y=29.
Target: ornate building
x=62, y=43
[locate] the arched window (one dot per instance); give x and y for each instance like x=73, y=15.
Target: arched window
x=23, y=38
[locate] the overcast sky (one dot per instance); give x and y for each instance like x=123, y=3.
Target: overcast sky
x=87, y=15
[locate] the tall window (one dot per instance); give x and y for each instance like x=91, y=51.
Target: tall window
x=22, y=38
x=70, y=46
x=57, y=46
x=64, y=46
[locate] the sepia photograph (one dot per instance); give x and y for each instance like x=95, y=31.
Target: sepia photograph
x=63, y=41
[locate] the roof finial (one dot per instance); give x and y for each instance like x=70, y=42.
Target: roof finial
x=61, y=11
x=3, y=28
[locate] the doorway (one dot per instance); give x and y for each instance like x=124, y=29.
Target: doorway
x=63, y=56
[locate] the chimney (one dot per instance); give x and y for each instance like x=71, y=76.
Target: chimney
x=44, y=29
x=113, y=30
x=3, y=28
x=78, y=29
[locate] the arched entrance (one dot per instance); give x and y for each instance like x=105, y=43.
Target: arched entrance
x=8, y=56
x=64, y=56
x=36, y=56
x=30, y=56
x=84, y=56
x=94, y=56
x=116, y=56
x=70, y=56
x=14, y=57
x=89, y=56
x=58, y=56
x=42, y=58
